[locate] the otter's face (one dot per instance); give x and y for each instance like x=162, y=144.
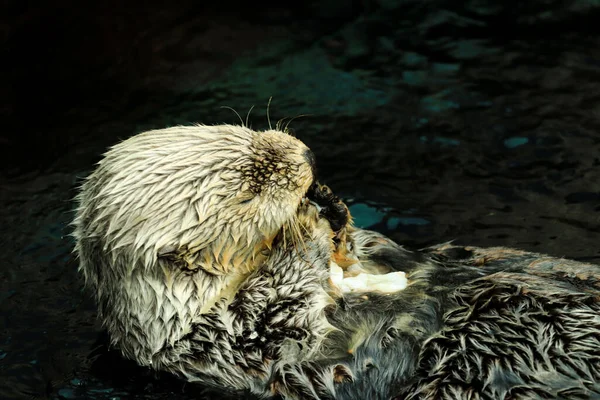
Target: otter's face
x=274, y=179
x=211, y=198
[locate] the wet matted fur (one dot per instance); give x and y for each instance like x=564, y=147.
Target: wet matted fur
x=206, y=261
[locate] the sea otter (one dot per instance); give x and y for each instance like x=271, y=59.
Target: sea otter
x=213, y=253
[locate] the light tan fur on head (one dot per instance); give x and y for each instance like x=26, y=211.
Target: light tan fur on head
x=216, y=194
x=182, y=215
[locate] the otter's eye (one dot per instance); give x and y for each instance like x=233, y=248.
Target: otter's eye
x=246, y=201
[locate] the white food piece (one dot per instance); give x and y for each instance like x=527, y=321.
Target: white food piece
x=363, y=282
x=336, y=274
x=355, y=269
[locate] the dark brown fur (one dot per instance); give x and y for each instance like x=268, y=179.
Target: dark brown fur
x=475, y=324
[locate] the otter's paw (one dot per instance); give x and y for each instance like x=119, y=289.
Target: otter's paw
x=331, y=207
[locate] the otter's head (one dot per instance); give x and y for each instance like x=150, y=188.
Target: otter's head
x=173, y=220
x=208, y=197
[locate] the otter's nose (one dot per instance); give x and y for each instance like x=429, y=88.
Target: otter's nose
x=309, y=156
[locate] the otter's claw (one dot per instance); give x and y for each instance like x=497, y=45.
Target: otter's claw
x=332, y=208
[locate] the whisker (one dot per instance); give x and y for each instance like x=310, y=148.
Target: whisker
x=236, y=113
x=268, y=106
x=293, y=235
x=305, y=230
x=292, y=238
x=297, y=116
x=248, y=116
x=298, y=233
x=278, y=125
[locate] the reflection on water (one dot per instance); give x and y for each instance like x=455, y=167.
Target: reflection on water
x=476, y=122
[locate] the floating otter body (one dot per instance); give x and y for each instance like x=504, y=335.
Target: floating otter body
x=214, y=254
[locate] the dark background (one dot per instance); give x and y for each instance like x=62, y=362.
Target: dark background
x=476, y=121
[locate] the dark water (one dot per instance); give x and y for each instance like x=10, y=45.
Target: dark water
x=476, y=121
